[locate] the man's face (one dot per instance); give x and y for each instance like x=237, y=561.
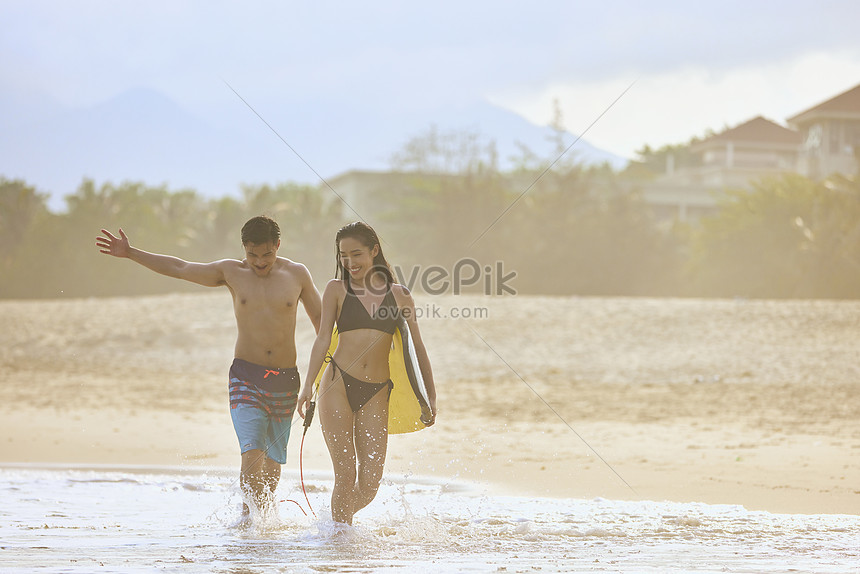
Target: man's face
x=261, y=257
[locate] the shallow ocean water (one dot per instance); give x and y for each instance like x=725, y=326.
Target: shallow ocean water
x=132, y=519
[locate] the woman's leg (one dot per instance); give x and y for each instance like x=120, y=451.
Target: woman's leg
x=337, y=420
x=371, y=445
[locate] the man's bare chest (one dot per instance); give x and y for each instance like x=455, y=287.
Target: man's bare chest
x=277, y=297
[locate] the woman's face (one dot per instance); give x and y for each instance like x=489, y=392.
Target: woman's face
x=356, y=257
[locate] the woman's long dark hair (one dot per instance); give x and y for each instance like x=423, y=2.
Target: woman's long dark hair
x=366, y=236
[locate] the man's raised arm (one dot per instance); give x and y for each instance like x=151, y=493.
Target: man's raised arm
x=206, y=274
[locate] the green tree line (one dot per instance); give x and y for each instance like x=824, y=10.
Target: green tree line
x=54, y=255
x=566, y=230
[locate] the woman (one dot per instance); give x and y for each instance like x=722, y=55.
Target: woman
x=354, y=390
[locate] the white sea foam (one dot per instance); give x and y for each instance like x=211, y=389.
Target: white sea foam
x=137, y=520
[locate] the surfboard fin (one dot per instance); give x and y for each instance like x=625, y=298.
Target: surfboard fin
x=426, y=414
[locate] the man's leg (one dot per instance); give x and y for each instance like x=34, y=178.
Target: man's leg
x=271, y=473
x=277, y=438
x=259, y=478
x=250, y=424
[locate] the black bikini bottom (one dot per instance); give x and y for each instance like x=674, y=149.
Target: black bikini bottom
x=358, y=392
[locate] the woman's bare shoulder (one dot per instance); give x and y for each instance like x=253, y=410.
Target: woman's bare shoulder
x=401, y=293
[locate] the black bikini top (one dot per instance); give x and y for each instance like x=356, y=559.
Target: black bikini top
x=353, y=315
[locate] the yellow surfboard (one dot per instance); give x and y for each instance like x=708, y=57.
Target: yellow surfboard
x=409, y=403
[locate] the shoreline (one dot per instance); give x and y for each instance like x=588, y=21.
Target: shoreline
x=288, y=474
x=510, y=461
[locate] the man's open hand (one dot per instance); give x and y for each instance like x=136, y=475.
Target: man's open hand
x=111, y=245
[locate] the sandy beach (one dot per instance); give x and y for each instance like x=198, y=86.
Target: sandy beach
x=719, y=401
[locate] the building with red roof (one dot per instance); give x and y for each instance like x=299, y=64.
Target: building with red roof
x=732, y=158
x=818, y=142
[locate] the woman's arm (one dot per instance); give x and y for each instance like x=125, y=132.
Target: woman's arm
x=407, y=306
x=321, y=344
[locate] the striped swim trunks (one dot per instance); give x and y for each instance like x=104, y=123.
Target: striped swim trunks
x=262, y=401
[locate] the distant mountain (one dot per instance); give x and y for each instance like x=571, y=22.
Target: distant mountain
x=507, y=129
x=142, y=135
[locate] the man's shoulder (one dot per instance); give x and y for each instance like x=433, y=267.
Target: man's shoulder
x=293, y=267
x=229, y=264
x=289, y=263
x=292, y=272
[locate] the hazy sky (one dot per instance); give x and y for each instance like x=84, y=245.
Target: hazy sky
x=696, y=65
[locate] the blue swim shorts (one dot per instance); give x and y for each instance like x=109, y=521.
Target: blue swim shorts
x=262, y=401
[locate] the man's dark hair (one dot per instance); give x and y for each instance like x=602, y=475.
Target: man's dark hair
x=260, y=229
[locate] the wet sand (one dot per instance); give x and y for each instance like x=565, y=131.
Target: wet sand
x=737, y=402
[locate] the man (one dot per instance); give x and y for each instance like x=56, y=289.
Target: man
x=264, y=381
